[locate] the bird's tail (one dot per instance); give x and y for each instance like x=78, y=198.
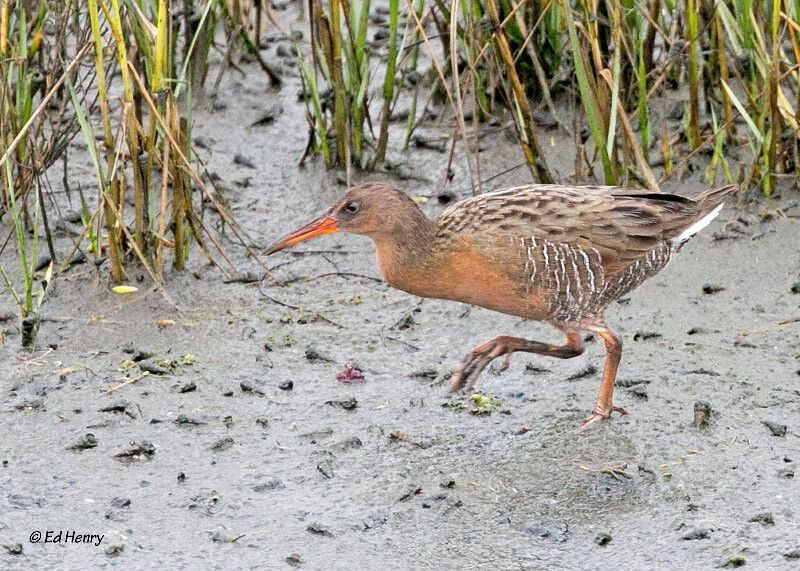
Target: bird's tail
x=710, y=199
x=709, y=204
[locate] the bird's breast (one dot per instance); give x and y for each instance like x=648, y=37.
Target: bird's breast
x=463, y=275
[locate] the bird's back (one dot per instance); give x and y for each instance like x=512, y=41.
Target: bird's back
x=575, y=249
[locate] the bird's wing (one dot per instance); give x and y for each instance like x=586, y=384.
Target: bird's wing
x=621, y=225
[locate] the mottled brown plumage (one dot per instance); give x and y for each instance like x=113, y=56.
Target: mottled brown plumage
x=542, y=252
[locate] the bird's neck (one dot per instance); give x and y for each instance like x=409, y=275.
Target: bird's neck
x=405, y=253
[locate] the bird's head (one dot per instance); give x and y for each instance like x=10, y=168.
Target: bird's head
x=373, y=209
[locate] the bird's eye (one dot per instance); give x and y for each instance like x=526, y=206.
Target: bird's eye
x=351, y=207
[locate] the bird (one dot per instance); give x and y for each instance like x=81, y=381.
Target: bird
x=552, y=253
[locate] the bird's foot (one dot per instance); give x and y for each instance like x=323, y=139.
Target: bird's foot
x=602, y=413
x=467, y=373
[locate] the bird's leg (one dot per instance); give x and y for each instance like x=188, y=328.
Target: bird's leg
x=604, y=406
x=467, y=373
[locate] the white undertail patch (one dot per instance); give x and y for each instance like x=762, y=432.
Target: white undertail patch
x=696, y=227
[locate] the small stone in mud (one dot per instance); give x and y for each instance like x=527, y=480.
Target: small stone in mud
x=794, y=554
x=411, y=491
x=204, y=502
x=14, y=548
x=184, y=420
x=557, y=531
x=228, y=421
x=531, y=369
x=120, y=502
x=222, y=444
x=181, y=477
x=189, y=387
x=271, y=484
x=349, y=404
x=545, y=120
x=262, y=421
x=373, y=521
x=350, y=375
x=139, y=355
x=84, y=443
x=80, y=258
x=736, y=561
x=404, y=323
x=629, y=382
x=143, y=450
x=587, y=371
x=312, y=354
x=428, y=374
x=28, y=406
x=602, y=539
x=114, y=550
x=203, y=142
x=294, y=560
x=702, y=414
x=350, y=443
x=776, y=428
x=325, y=468
x=398, y=436
x=639, y=391
x=120, y=406
x=764, y=518
x=269, y=115
x=696, y=533
x=645, y=335
x=242, y=160
x=248, y=388
x=795, y=287
x=710, y=289
x=42, y=263
x=148, y=366
x=319, y=529
x=286, y=385
x=703, y=371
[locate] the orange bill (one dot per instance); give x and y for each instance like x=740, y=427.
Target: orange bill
x=320, y=226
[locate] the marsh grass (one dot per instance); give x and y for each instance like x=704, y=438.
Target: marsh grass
x=736, y=61
x=63, y=62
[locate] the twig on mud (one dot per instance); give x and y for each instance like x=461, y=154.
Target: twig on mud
x=396, y=340
x=315, y=252
x=329, y=274
x=772, y=327
x=245, y=278
x=617, y=471
x=125, y=384
x=38, y=361
x=329, y=321
x=399, y=436
x=316, y=314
